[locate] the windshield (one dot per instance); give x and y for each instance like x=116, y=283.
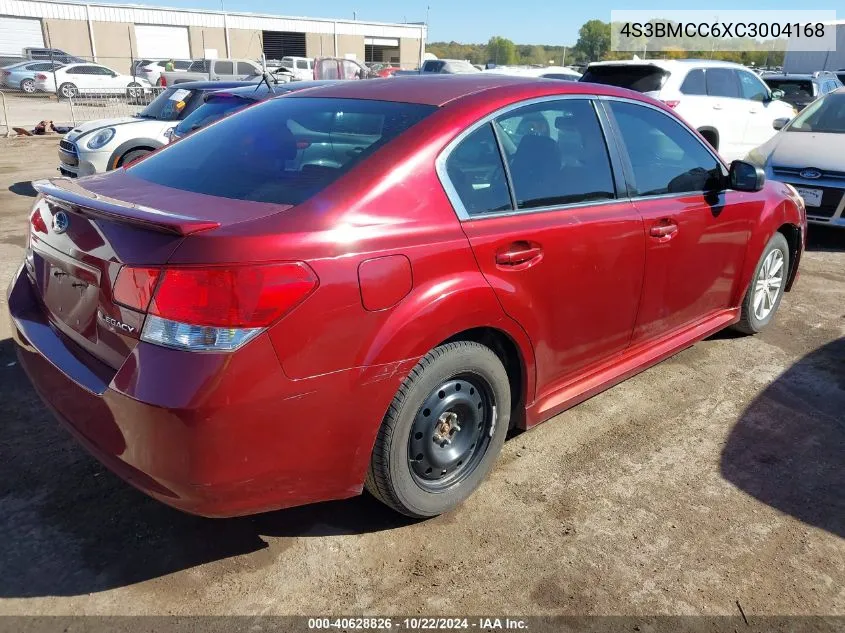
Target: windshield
x=827, y=115
x=645, y=78
x=214, y=108
x=280, y=151
x=793, y=89
x=168, y=106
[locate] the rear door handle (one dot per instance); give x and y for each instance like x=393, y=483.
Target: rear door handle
x=717, y=106
x=519, y=254
x=664, y=231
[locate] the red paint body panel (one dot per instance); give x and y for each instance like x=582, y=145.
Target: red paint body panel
x=384, y=281
x=222, y=434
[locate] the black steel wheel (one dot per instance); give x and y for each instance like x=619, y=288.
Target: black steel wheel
x=451, y=431
x=443, y=430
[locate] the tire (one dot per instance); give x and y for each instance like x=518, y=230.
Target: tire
x=131, y=155
x=28, y=86
x=767, y=286
x=68, y=91
x=134, y=90
x=452, y=412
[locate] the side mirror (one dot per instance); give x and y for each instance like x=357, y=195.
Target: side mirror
x=779, y=124
x=746, y=177
x=777, y=95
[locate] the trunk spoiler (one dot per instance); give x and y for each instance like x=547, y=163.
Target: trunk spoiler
x=67, y=193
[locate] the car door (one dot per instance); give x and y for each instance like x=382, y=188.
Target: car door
x=696, y=232
x=757, y=98
x=729, y=111
x=564, y=253
x=110, y=80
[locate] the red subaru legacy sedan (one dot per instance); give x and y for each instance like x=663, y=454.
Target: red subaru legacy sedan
x=368, y=284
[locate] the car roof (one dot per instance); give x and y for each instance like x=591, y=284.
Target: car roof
x=668, y=64
x=438, y=90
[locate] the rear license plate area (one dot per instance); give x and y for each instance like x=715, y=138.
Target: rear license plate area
x=70, y=292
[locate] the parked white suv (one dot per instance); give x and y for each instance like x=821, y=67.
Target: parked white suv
x=729, y=104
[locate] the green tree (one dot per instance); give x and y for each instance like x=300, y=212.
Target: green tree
x=593, y=40
x=501, y=51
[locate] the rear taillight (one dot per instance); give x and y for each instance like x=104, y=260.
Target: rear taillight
x=672, y=103
x=212, y=308
x=41, y=77
x=163, y=80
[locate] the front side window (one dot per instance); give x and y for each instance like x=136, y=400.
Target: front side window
x=665, y=156
x=282, y=151
x=556, y=154
x=722, y=82
x=100, y=70
x=477, y=173
x=752, y=88
x=245, y=68
x=302, y=64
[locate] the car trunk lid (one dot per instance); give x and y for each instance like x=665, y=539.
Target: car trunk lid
x=82, y=236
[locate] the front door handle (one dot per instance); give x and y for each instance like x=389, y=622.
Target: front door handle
x=664, y=231
x=519, y=254
x=717, y=106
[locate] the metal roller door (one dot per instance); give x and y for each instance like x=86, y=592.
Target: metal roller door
x=162, y=42
x=19, y=33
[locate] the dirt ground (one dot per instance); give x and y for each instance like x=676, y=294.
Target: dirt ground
x=717, y=476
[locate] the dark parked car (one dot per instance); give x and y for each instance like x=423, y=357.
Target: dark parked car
x=226, y=102
x=232, y=331
x=801, y=90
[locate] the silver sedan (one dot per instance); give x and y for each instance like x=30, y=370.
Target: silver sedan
x=21, y=76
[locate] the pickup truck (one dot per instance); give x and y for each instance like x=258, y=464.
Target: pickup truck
x=441, y=67
x=213, y=70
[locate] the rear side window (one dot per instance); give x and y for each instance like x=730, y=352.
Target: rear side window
x=302, y=63
x=645, y=78
x=722, y=82
x=182, y=64
x=665, y=157
x=477, y=173
x=224, y=68
x=556, y=154
x=273, y=153
x=694, y=83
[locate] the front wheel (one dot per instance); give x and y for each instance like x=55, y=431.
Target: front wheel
x=442, y=432
x=767, y=286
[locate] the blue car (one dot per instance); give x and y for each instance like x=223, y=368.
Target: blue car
x=21, y=76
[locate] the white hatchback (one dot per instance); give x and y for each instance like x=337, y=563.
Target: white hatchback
x=75, y=79
x=727, y=103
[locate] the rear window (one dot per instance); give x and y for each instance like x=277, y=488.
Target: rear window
x=798, y=89
x=214, y=108
x=281, y=151
x=640, y=78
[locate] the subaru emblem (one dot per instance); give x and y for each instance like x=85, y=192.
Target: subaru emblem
x=810, y=173
x=60, y=222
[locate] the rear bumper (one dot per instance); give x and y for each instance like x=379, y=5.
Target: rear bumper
x=210, y=434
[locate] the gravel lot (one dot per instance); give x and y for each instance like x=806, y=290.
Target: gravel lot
x=715, y=477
